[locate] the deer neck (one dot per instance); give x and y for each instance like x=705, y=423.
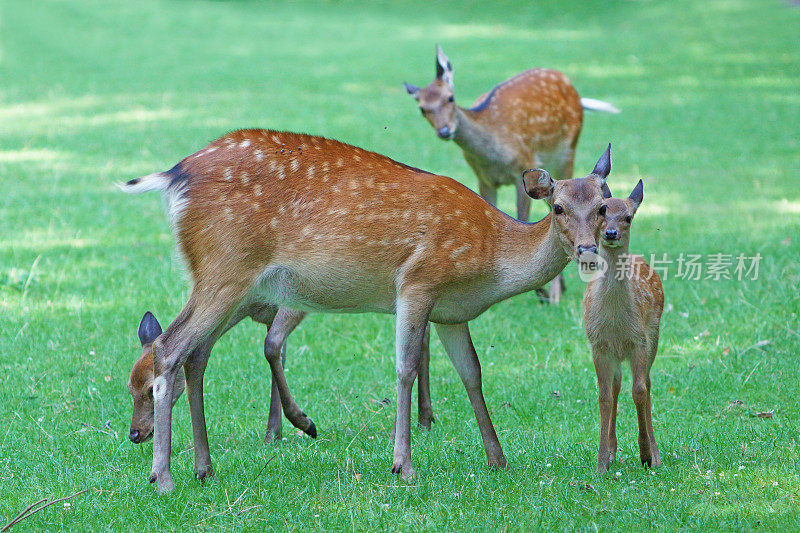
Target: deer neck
x=529, y=256
x=474, y=137
x=614, y=285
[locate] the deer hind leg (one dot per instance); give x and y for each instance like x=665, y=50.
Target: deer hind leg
x=274, y=424
x=283, y=325
x=641, y=397
x=424, y=405
x=203, y=318
x=412, y=320
x=605, y=384
x=425, y=416
x=265, y=314
x=458, y=344
x=194, y=369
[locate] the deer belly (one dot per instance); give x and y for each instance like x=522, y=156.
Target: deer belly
x=329, y=292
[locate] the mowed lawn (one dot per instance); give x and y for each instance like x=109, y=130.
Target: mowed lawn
x=92, y=93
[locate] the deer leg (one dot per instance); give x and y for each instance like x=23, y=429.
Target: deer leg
x=641, y=397
x=202, y=318
x=654, y=453
x=274, y=425
x=194, y=369
x=523, y=201
x=283, y=325
x=425, y=409
x=265, y=314
x=605, y=377
x=458, y=344
x=412, y=319
x=612, y=425
x=424, y=406
x=487, y=191
x=653, y=447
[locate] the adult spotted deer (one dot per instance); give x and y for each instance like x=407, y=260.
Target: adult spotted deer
x=531, y=120
x=621, y=313
x=272, y=218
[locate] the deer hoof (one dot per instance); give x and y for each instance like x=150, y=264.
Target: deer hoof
x=404, y=470
x=204, y=473
x=312, y=430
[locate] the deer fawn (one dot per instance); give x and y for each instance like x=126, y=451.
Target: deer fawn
x=621, y=313
x=282, y=219
x=531, y=120
x=142, y=378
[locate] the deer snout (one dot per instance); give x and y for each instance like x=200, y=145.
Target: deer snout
x=444, y=132
x=134, y=436
x=583, y=248
x=611, y=235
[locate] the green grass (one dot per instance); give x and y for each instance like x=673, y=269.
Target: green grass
x=97, y=92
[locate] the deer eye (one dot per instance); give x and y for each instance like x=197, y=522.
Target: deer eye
x=557, y=209
x=451, y=99
x=602, y=211
x=628, y=219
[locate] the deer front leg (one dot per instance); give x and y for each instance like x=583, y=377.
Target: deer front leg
x=274, y=425
x=283, y=325
x=458, y=344
x=199, y=321
x=523, y=201
x=605, y=377
x=612, y=429
x=425, y=416
x=487, y=191
x=641, y=397
x=412, y=318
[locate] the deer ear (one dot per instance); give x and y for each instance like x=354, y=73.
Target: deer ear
x=538, y=183
x=637, y=195
x=444, y=69
x=606, y=191
x=149, y=328
x=603, y=166
x=411, y=89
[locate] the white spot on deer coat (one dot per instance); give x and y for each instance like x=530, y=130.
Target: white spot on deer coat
x=460, y=250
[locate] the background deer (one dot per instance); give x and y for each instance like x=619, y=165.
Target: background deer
x=140, y=383
x=532, y=120
x=271, y=218
x=621, y=313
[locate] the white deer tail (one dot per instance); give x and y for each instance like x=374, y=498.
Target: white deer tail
x=598, y=105
x=158, y=181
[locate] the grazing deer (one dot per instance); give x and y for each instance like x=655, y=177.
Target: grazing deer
x=283, y=219
x=532, y=120
x=621, y=313
x=142, y=378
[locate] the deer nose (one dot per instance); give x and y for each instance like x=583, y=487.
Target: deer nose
x=611, y=234
x=587, y=248
x=444, y=132
x=134, y=436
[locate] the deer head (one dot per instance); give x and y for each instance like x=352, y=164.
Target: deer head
x=437, y=100
x=140, y=383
